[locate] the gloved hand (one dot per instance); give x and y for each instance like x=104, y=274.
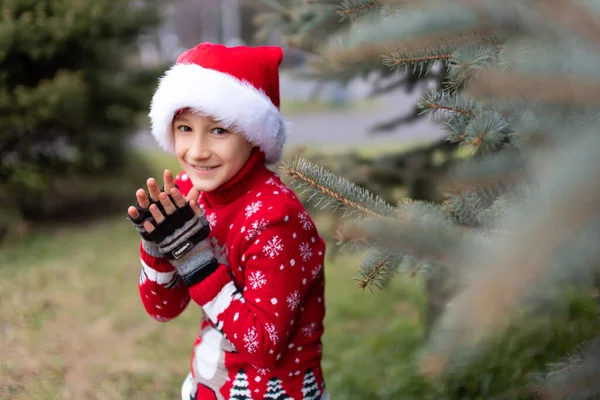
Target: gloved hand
x=176, y=227
x=140, y=215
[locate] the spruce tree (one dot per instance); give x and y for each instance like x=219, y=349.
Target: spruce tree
x=240, y=390
x=275, y=390
x=71, y=92
x=310, y=389
x=509, y=256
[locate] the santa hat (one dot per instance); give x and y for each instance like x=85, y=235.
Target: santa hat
x=238, y=86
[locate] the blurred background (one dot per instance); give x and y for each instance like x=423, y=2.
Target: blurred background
x=76, y=79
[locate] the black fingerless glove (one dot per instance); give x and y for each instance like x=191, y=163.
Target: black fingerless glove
x=143, y=216
x=183, y=238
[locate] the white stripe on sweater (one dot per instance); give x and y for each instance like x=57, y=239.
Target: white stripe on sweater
x=221, y=301
x=159, y=277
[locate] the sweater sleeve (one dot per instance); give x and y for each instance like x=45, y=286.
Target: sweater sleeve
x=282, y=256
x=163, y=293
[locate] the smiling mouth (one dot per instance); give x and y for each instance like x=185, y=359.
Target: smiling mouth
x=204, y=168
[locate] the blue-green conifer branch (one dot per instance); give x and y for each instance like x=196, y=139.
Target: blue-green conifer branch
x=518, y=226
x=334, y=190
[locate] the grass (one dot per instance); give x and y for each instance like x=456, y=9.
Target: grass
x=72, y=325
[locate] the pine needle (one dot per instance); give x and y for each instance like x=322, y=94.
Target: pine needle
x=444, y=102
x=421, y=62
x=467, y=61
x=377, y=269
x=565, y=376
x=468, y=206
x=373, y=50
x=335, y=191
x=355, y=9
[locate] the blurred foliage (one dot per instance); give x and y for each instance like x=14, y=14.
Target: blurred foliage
x=71, y=91
x=306, y=28
x=409, y=171
x=510, y=253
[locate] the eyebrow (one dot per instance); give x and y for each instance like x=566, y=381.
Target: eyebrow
x=180, y=118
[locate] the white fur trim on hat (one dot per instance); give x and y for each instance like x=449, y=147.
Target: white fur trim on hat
x=225, y=98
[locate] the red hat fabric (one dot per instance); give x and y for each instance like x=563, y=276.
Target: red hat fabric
x=238, y=86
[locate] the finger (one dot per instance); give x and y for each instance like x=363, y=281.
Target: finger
x=142, y=198
x=148, y=226
x=158, y=217
x=196, y=207
x=166, y=203
x=133, y=212
x=178, y=197
x=193, y=195
x=169, y=181
x=153, y=189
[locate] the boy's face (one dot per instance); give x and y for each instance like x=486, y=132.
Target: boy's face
x=209, y=153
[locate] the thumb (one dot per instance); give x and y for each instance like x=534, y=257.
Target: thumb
x=192, y=198
x=193, y=195
x=197, y=210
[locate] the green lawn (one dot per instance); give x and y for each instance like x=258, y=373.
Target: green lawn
x=72, y=325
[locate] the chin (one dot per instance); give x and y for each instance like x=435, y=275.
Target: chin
x=205, y=186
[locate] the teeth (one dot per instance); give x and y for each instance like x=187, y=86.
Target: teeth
x=204, y=168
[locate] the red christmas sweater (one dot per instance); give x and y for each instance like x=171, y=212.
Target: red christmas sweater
x=264, y=306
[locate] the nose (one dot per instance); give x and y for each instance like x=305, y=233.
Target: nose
x=199, y=149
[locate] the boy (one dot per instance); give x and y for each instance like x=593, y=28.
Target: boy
x=228, y=234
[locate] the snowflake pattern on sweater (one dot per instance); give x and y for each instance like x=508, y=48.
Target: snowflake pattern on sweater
x=264, y=305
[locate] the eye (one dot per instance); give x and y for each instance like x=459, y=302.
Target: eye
x=184, y=128
x=220, y=131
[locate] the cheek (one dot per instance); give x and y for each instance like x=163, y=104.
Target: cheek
x=239, y=153
x=181, y=146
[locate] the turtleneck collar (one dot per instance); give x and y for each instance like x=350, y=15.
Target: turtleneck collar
x=252, y=172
